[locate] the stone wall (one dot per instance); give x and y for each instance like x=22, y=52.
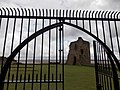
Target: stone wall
x=79, y=52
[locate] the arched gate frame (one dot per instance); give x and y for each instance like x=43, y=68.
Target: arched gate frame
x=40, y=26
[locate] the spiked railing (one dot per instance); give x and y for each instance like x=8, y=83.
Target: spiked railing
x=43, y=24
x=59, y=14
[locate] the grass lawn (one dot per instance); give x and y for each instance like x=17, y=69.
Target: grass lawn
x=76, y=77
x=79, y=78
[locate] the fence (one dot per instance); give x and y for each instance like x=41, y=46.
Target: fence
x=40, y=34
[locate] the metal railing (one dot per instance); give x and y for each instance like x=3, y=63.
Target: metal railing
x=38, y=34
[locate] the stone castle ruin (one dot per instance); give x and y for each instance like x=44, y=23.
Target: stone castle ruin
x=79, y=52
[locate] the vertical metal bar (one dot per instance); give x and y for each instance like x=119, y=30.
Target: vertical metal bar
x=79, y=14
x=12, y=77
x=60, y=45
x=66, y=13
x=110, y=82
x=37, y=78
x=117, y=36
x=26, y=52
x=103, y=28
x=89, y=22
x=76, y=17
x=83, y=19
x=0, y=29
x=49, y=53
x=69, y=16
x=105, y=66
x=0, y=22
x=20, y=77
x=60, y=36
x=115, y=75
x=106, y=77
x=96, y=24
x=28, y=77
x=105, y=82
x=63, y=56
x=96, y=67
x=86, y=14
x=34, y=53
x=56, y=51
x=41, y=50
x=13, y=31
x=102, y=58
x=19, y=51
x=73, y=13
x=5, y=38
x=53, y=13
x=8, y=78
x=99, y=63
x=63, y=13
x=14, y=27
x=102, y=62
x=44, y=77
x=11, y=46
x=60, y=77
x=110, y=34
x=0, y=18
x=109, y=70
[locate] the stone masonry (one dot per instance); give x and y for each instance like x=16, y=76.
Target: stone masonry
x=79, y=52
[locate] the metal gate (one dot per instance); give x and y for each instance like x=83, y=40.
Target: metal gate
x=32, y=47
x=105, y=68
x=31, y=64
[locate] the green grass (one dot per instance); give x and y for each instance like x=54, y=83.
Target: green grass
x=76, y=77
x=79, y=78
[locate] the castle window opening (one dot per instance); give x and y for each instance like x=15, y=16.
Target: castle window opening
x=75, y=47
x=74, y=60
x=81, y=51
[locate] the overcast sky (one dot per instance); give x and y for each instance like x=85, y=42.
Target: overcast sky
x=65, y=4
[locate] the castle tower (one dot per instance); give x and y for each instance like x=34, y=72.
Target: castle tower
x=79, y=52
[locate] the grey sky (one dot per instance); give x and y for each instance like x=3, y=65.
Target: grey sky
x=64, y=4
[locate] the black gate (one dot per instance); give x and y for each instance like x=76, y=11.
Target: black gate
x=32, y=47
x=31, y=64
x=106, y=68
